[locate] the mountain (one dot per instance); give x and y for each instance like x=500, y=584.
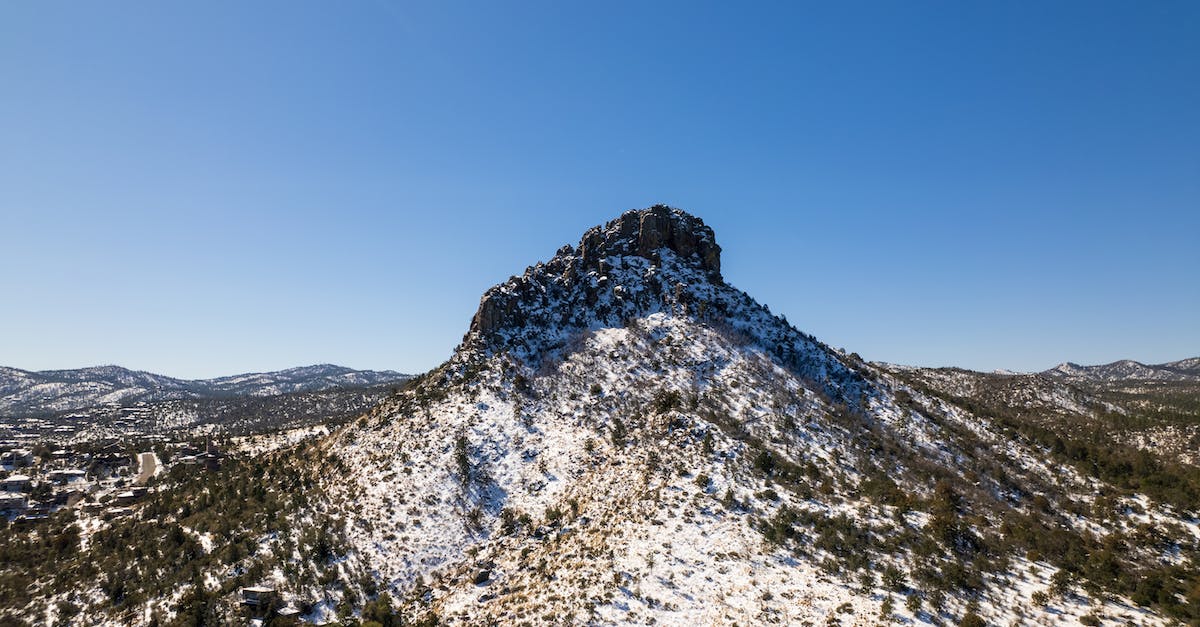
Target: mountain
x=24, y=393
x=1152, y=408
x=1186, y=366
x=1126, y=370
x=622, y=437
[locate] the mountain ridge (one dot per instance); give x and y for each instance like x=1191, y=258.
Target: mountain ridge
x=1128, y=369
x=32, y=393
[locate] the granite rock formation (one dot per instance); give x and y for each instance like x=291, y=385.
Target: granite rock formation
x=643, y=233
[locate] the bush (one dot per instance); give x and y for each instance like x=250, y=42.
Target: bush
x=667, y=400
x=893, y=578
x=618, y=432
x=764, y=462
x=971, y=619
x=462, y=459
x=381, y=613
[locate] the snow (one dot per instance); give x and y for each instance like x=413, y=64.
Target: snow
x=553, y=470
x=647, y=544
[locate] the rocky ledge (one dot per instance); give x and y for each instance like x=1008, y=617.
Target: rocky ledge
x=643, y=233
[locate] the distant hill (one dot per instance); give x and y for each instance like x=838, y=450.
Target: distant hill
x=1152, y=407
x=1127, y=369
x=27, y=394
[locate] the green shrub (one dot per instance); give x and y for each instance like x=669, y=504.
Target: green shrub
x=971, y=619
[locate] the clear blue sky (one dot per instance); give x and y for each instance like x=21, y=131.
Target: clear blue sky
x=206, y=188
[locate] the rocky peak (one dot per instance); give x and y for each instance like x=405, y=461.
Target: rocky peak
x=657, y=262
x=644, y=232
x=576, y=279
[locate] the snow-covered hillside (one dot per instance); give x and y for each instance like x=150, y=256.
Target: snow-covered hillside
x=25, y=393
x=624, y=438
x=1153, y=408
x=1127, y=369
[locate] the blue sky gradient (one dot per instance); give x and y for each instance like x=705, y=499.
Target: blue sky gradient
x=208, y=188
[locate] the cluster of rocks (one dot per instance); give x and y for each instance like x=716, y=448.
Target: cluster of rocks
x=646, y=231
x=643, y=233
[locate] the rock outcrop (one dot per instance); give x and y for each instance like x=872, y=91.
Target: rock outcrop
x=643, y=233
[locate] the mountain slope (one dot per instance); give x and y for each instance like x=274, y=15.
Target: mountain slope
x=1155, y=409
x=1185, y=370
x=24, y=393
x=624, y=438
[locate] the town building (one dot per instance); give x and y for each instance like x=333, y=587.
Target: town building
x=15, y=483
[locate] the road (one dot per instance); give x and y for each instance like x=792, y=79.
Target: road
x=147, y=463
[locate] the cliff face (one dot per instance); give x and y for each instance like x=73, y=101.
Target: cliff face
x=579, y=276
x=645, y=232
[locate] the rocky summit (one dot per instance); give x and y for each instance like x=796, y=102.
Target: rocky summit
x=645, y=234
x=657, y=260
